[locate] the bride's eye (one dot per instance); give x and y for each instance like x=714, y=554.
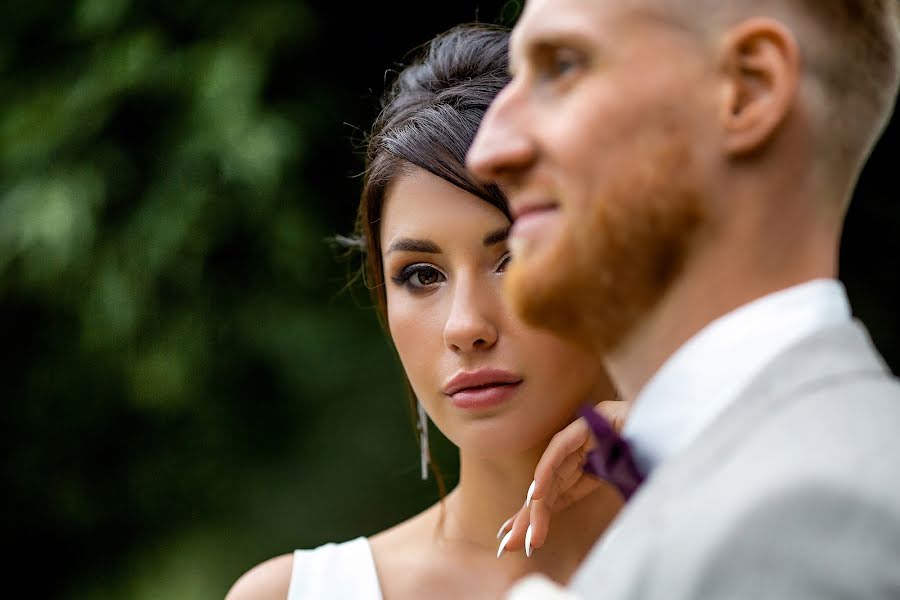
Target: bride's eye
x=504, y=262
x=418, y=277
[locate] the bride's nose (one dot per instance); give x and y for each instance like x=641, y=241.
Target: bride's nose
x=472, y=321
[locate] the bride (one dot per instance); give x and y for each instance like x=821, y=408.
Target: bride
x=435, y=244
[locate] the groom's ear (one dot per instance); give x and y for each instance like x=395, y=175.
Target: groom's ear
x=760, y=61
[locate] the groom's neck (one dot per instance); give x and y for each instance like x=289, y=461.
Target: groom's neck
x=710, y=287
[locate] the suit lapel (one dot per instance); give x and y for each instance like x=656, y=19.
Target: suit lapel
x=831, y=355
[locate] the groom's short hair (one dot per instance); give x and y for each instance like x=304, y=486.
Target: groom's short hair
x=851, y=52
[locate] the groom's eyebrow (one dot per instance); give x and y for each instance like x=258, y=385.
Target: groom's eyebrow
x=495, y=237
x=413, y=245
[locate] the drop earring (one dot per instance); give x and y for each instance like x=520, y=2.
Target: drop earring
x=424, y=452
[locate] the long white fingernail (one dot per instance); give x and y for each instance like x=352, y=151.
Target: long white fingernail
x=528, y=542
x=504, y=526
x=503, y=544
x=530, y=493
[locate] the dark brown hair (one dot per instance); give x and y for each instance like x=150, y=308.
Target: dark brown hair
x=429, y=118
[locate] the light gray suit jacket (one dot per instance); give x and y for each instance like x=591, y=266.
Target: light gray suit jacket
x=792, y=493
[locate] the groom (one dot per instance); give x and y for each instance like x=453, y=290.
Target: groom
x=679, y=171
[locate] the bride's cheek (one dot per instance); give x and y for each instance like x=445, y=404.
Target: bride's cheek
x=413, y=334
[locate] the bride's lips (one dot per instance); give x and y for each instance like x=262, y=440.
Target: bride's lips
x=485, y=388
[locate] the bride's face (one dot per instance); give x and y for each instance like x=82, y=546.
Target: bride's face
x=489, y=382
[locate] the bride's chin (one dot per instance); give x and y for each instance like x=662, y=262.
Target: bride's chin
x=505, y=438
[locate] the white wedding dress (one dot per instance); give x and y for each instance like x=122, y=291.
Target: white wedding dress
x=335, y=572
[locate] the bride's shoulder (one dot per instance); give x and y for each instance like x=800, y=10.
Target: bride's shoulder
x=304, y=573
x=270, y=579
x=408, y=559
x=406, y=541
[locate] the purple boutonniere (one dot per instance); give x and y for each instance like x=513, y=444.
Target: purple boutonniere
x=612, y=459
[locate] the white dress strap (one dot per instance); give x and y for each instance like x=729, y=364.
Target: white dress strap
x=335, y=572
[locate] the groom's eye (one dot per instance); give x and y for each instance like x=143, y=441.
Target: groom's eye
x=557, y=62
x=564, y=63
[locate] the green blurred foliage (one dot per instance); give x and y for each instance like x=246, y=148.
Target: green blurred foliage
x=175, y=343
x=188, y=388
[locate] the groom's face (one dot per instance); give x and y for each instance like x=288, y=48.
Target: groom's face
x=599, y=142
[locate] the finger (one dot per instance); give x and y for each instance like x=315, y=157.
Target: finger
x=564, y=444
x=515, y=537
x=505, y=534
x=565, y=476
x=615, y=411
x=520, y=525
x=542, y=509
x=568, y=473
x=507, y=525
x=540, y=514
x=580, y=490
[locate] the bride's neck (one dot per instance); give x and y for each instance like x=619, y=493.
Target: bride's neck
x=489, y=492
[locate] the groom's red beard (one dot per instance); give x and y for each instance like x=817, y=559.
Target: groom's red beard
x=610, y=267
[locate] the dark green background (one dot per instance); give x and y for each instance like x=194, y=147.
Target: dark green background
x=187, y=387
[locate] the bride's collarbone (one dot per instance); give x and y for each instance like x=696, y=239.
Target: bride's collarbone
x=438, y=579
x=433, y=572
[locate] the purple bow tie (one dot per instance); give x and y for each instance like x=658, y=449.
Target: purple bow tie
x=611, y=460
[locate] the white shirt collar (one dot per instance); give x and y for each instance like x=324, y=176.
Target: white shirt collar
x=714, y=367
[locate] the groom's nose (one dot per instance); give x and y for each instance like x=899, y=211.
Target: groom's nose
x=503, y=150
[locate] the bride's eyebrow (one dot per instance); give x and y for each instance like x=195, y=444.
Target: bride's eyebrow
x=413, y=245
x=496, y=237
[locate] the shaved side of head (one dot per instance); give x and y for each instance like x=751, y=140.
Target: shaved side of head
x=851, y=61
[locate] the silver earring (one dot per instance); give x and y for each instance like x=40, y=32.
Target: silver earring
x=422, y=426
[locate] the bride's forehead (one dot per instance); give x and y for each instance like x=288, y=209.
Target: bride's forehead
x=424, y=203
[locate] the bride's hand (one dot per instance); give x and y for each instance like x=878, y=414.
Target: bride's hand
x=559, y=481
